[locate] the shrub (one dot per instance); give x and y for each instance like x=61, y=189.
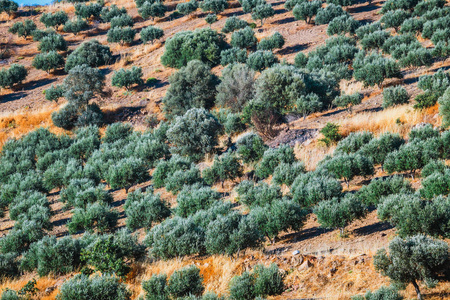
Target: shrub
x=233, y=55
x=8, y=6
x=242, y=287
x=395, y=96
x=98, y=287
x=373, y=69
x=444, y=108
x=436, y=184
x=306, y=10
x=433, y=166
x=48, y=61
x=262, y=12
x=81, y=192
x=9, y=294
x=225, y=167
x=347, y=166
x=286, y=173
x=144, y=209
x=76, y=26
x=23, y=29
x=152, y=10
x=187, y=8
x=21, y=236
x=250, y=147
x=126, y=173
x=182, y=237
x=88, y=11
x=126, y=78
x=151, y=33
x=156, y=288
x=214, y=6
x=417, y=258
x=337, y=213
x=373, y=193
x=55, y=19
x=193, y=86
x=233, y=23
x=121, y=35
x=261, y=60
x=412, y=25
x=424, y=217
x=375, y=40
x=236, y=87
x=348, y=101
x=176, y=181
x=112, y=11
x=9, y=265
x=91, y=53
x=390, y=292
x=274, y=41
x=272, y=158
x=290, y=4
x=353, y=142
x=342, y=25
x=378, y=148
x=194, y=198
x=52, y=42
x=394, y=18
x=249, y=5
x=12, y=76
x=325, y=15
x=269, y=280
x=186, y=281
x=243, y=38
x=202, y=44
x=301, y=60
x=194, y=134
x=96, y=215
x=331, y=133
x=211, y=18
x=123, y=20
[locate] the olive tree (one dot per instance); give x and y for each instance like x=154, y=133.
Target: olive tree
x=151, y=33
x=262, y=12
x=126, y=78
x=306, y=10
x=15, y=74
x=23, y=29
x=48, y=61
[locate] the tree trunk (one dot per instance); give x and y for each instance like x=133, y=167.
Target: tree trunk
x=416, y=287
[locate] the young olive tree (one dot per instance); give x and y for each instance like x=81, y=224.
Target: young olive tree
x=126, y=78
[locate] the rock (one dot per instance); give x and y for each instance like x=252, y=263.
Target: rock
x=295, y=252
x=332, y=271
x=49, y=290
x=305, y=266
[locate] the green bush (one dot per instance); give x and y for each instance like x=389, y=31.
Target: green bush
x=23, y=29
x=80, y=192
x=48, y=61
x=233, y=23
x=342, y=25
x=186, y=281
x=373, y=69
x=39, y=34
x=250, y=147
x=262, y=12
x=290, y=4
x=75, y=26
x=202, y=44
x=126, y=173
x=261, y=60
x=378, y=148
x=306, y=10
x=91, y=53
x=243, y=287
x=88, y=11
x=187, y=8
x=121, y=35
x=166, y=168
x=8, y=6
x=417, y=258
x=395, y=96
x=249, y=5
x=354, y=142
x=348, y=101
x=151, y=33
x=112, y=11
x=433, y=166
x=152, y=10
x=339, y=213
x=331, y=133
x=214, y=6
x=55, y=19
x=9, y=294
x=95, y=216
x=126, y=78
x=156, y=288
x=211, y=18
x=272, y=158
x=52, y=42
x=260, y=194
x=394, y=18
x=225, y=167
x=194, y=134
x=375, y=40
x=144, y=209
x=9, y=266
x=176, y=181
x=286, y=173
x=269, y=280
x=275, y=41
x=378, y=188
x=347, y=166
x=123, y=20
x=301, y=60
x=233, y=55
x=104, y=287
x=193, y=198
x=12, y=76
x=243, y=38
x=389, y=292
x=327, y=14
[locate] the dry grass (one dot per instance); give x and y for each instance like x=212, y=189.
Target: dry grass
x=398, y=119
x=311, y=154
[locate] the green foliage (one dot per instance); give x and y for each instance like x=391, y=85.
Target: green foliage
x=378, y=188
x=23, y=29
x=325, y=15
x=412, y=25
x=286, y=173
x=193, y=198
x=306, y=10
x=126, y=173
x=89, y=11
x=104, y=287
x=387, y=293
x=313, y=187
x=242, y=287
x=76, y=26
x=122, y=20
x=178, y=179
x=339, y=213
x=14, y=75
x=211, y=18
x=52, y=42
x=378, y=148
x=233, y=23
x=260, y=194
x=262, y=12
x=112, y=11
x=348, y=101
x=423, y=216
x=225, y=167
x=236, y=87
x=121, y=35
x=250, y=147
x=55, y=19
x=347, y=166
x=166, y=168
x=91, y=53
x=243, y=38
x=126, y=78
x=290, y=4
x=342, y=25
x=9, y=294
x=331, y=133
x=151, y=33
x=353, y=142
x=186, y=281
x=373, y=69
x=202, y=44
x=396, y=95
x=9, y=266
x=214, y=6
x=249, y=5
x=275, y=41
x=96, y=215
x=152, y=10
x=394, y=18
x=194, y=134
x=187, y=8
x=261, y=60
x=233, y=55
x=444, y=108
x=39, y=34
x=400, y=4
x=80, y=192
x=301, y=60
x=272, y=158
x=8, y=6
x=375, y=40
x=156, y=288
x=48, y=61
x=417, y=258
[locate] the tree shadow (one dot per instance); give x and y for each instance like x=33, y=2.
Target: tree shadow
x=305, y=234
x=38, y=83
x=280, y=11
x=234, y=14
x=292, y=49
x=284, y=21
x=122, y=114
x=12, y=97
x=60, y=222
x=373, y=228
x=362, y=8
